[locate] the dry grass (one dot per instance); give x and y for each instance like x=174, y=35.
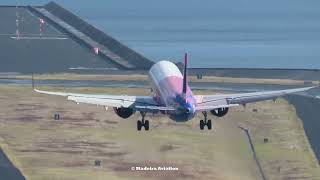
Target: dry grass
x=288, y=154
x=66, y=149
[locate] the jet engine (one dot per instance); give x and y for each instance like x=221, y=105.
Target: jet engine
x=123, y=112
x=219, y=112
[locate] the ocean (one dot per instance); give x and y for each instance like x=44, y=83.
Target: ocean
x=215, y=33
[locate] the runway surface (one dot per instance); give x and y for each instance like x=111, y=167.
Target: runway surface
x=7, y=169
x=234, y=87
x=53, y=52
x=308, y=111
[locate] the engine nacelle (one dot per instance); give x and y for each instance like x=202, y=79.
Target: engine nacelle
x=219, y=112
x=123, y=112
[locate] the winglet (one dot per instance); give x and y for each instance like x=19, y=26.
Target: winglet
x=185, y=74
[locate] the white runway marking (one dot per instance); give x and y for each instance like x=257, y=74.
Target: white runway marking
x=39, y=38
x=33, y=34
x=87, y=68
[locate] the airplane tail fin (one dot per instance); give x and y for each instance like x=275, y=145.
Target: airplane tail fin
x=185, y=75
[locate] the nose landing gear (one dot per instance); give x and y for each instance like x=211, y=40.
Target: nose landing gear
x=205, y=122
x=143, y=123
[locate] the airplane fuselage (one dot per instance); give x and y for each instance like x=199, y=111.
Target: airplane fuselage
x=167, y=83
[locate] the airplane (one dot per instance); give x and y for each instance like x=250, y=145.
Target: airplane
x=173, y=97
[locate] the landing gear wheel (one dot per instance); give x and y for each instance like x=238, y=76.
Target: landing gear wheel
x=209, y=124
x=146, y=125
x=206, y=122
x=143, y=123
x=202, y=124
x=139, y=125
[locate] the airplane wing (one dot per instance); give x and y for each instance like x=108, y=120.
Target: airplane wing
x=139, y=103
x=209, y=102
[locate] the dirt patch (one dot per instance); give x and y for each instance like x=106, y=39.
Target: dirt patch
x=72, y=119
x=111, y=122
x=178, y=124
x=111, y=154
x=168, y=147
x=89, y=116
x=39, y=150
x=26, y=118
x=81, y=125
x=31, y=106
x=77, y=145
x=75, y=163
x=24, y=109
x=288, y=169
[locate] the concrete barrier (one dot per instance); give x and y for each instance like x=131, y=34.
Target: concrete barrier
x=81, y=38
x=134, y=58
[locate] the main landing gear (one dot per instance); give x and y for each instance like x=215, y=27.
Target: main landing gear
x=143, y=123
x=206, y=122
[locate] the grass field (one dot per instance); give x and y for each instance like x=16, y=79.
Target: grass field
x=43, y=148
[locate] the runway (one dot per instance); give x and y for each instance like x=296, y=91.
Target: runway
x=233, y=87
x=53, y=52
x=7, y=169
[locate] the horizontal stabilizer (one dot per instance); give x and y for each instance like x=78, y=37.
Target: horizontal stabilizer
x=206, y=108
x=153, y=108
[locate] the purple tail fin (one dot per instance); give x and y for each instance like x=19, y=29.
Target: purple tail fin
x=185, y=74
